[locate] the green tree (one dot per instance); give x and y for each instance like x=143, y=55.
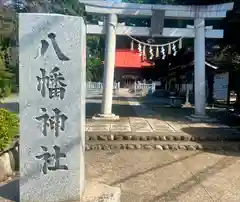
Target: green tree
x=95, y=45
x=5, y=78
x=95, y=51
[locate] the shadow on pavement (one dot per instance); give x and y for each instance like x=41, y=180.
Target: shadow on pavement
x=118, y=98
x=118, y=109
x=10, y=191
x=221, y=139
x=194, y=180
x=152, y=169
x=179, y=114
x=91, y=108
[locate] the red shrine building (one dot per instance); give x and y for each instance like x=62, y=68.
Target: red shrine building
x=137, y=61
x=130, y=66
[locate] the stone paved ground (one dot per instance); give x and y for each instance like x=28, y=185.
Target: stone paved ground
x=138, y=124
x=136, y=117
x=153, y=119
x=167, y=176
x=152, y=176
x=179, y=114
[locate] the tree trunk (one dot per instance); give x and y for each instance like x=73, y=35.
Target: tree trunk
x=237, y=88
x=210, y=87
x=238, y=97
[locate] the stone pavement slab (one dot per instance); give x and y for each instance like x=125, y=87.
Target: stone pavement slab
x=150, y=176
x=98, y=129
x=156, y=125
x=133, y=124
x=121, y=127
x=141, y=127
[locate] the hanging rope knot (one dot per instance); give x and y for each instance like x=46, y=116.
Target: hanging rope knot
x=163, y=52
x=140, y=49
x=151, y=53
x=174, y=50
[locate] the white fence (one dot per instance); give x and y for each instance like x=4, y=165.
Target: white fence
x=94, y=85
x=96, y=88
x=144, y=88
x=116, y=86
x=99, y=85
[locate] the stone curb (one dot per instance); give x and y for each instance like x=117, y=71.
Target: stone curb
x=162, y=146
x=151, y=136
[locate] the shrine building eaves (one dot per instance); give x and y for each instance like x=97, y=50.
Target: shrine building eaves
x=217, y=11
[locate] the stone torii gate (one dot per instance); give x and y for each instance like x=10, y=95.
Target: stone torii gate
x=198, y=31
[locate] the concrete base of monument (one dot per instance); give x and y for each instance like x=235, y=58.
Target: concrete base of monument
x=105, y=117
x=95, y=192
x=197, y=118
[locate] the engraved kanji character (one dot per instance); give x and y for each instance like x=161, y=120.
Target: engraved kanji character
x=45, y=45
x=50, y=158
x=53, y=82
x=43, y=82
x=56, y=86
x=53, y=122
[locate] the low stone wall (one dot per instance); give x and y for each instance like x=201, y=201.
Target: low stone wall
x=163, y=141
x=161, y=136
x=9, y=161
x=234, y=147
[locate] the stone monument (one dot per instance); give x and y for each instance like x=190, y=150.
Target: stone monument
x=52, y=57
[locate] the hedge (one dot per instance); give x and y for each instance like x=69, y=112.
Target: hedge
x=9, y=128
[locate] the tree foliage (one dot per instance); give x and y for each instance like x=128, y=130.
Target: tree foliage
x=69, y=7
x=95, y=60
x=9, y=126
x=5, y=79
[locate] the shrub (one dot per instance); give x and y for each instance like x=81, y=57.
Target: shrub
x=6, y=77
x=5, y=91
x=9, y=125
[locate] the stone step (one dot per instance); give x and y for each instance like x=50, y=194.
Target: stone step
x=162, y=136
x=162, y=145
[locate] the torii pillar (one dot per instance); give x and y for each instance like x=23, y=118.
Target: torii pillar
x=109, y=66
x=199, y=72
x=199, y=69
